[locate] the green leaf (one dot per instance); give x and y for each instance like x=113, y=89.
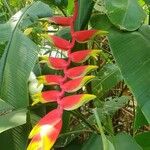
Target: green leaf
x=15, y=139
x=143, y=140
x=5, y=107
x=132, y=54
x=147, y=1
x=93, y=143
x=139, y=120
x=107, y=145
x=113, y=105
x=100, y=22
x=5, y=31
x=20, y=136
x=84, y=13
x=26, y=16
x=12, y=119
x=70, y=7
x=64, y=33
x=6, y=141
x=106, y=78
x=124, y=141
x=33, y=13
x=18, y=60
x=125, y=14
x=16, y=64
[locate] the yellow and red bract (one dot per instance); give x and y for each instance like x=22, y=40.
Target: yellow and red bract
x=63, y=21
x=50, y=79
x=60, y=42
x=76, y=84
x=75, y=101
x=45, y=133
x=54, y=63
x=79, y=71
x=45, y=97
x=82, y=56
x=85, y=35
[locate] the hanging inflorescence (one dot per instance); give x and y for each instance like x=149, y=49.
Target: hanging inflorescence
x=45, y=133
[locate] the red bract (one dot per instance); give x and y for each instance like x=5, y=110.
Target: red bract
x=50, y=79
x=82, y=56
x=63, y=21
x=76, y=84
x=79, y=71
x=45, y=97
x=59, y=42
x=85, y=35
x=54, y=63
x=45, y=133
x=75, y=101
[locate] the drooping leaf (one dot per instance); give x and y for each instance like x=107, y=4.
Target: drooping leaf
x=105, y=79
x=139, y=119
x=84, y=13
x=143, y=140
x=124, y=141
x=12, y=119
x=5, y=107
x=125, y=14
x=94, y=142
x=14, y=74
x=16, y=64
x=100, y=22
x=15, y=61
x=131, y=51
x=5, y=31
x=113, y=105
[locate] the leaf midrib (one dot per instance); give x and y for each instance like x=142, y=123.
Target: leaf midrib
x=11, y=38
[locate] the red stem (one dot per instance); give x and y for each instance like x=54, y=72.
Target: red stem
x=69, y=51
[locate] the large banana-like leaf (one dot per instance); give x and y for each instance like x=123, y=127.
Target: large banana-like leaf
x=16, y=64
x=19, y=56
x=24, y=18
x=85, y=9
x=18, y=60
x=125, y=14
x=12, y=119
x=5, y=31
x=132, y=53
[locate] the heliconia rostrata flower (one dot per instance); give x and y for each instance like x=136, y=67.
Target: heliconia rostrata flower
x=46, y=131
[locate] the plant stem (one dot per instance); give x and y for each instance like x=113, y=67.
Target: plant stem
x=98, y=121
